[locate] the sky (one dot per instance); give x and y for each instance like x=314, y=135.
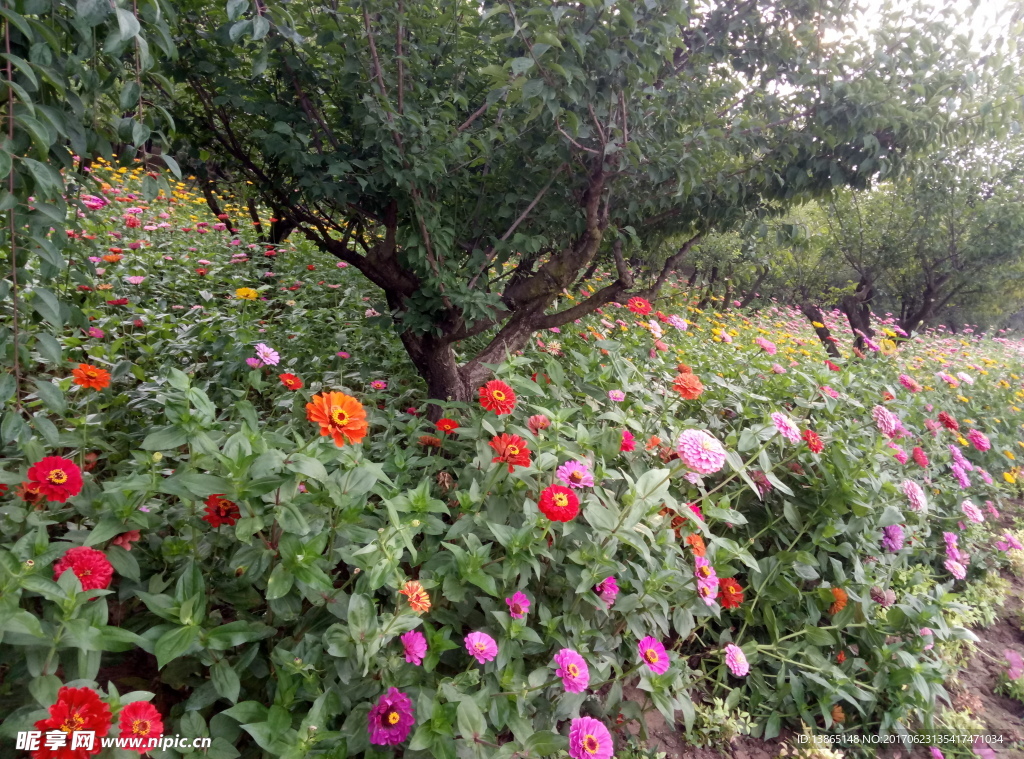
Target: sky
x=988, y=16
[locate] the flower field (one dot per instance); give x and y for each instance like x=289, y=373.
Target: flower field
x=226, y=512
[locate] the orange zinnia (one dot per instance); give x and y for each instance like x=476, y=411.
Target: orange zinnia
x=419, y=601
x=841, y=598
x=87, y=375
x=696, y=542
x=340, y=416
x=430, y=441
x=688, y=385
x=112, y=258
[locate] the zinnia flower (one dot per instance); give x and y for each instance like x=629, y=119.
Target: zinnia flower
x=700, y=452
x=559, y=504
x=688, y=386
x=219, y=510
x=589, y=739
x=786, y=427
x=910, y=383
x=920, y=457
x=140, y=720
x=518, y=605
x=978, y=440
x=955, y=568
x=607, y=589
x=654, y=655
x=840, y=601
x=290, y=381
x=267, y=355
x=736, y=660
x=76, y=710
x=813, y=441
x=707, y=580
x=415, y=645
x=972, y=512
x=246, y=293
x=949, y=422
x=419, y=600
x=893, y=538
x=696, y=542
x=90, y=566
x=639, y=306
x=616, y=395
x=511, y=450
x=379, y=385
x=125, y=539
x=87, y=375
x=628, y=442
x=340, y=416
x=575, y=474
x=446, y=426
x=56, y=478
x=498, y=397
x=730, y=593
x=572, y=668
x=915, y=495
x=391, y=719
x=481, y=646
x=537, y=422
x=888, y=423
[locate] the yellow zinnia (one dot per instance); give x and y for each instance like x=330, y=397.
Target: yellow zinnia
x=246, y=293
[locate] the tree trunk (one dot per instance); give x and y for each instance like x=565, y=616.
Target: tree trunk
x=916, y=317
x=814, y=315
x=711, y=288
x=435, y=361
x=858, y=311
x=211, y=201
x=752, y=292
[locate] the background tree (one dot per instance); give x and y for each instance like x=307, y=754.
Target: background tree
x=473, y=159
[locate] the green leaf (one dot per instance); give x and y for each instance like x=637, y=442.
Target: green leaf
x=164, y=439
x=127, y=25
x=52, y=396
x=46, y=305
x=236, y=633
x=306, y=465
x=175, y=643
x=470, y=720
x=225, y=680
x=92, y=12
x=236, y=8
x=545, y=743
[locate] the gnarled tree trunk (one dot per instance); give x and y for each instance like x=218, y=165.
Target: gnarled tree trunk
x=814, y=315
x=858, y=311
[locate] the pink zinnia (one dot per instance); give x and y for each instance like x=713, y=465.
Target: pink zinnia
x=607, y=589
x=920, y=457
x=518, y=605
x=616, y=395
x=910, y=383
x=96, y=332
x=786, y=427
x=391, y=719
x=1009, y=543
x=481, y=646
x=766, y=345
x=956, y=569
x=135, y=280
x=888, y=423
x=700, y=452
x=972, y=512
x=978, y=440
x=736, y=660
x=589, y=739
x=915, y=495
x=829, y=391
x=572, y=668
x=628, y=442
x=1016, y=669
x=267, y=355
x=415, y=645
x=379, y=384
x=707, y=580
x=575, y=474
x=654, y=655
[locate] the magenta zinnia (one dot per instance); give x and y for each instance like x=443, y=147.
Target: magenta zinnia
x=415, y=645
x=607, y=589
x=654, y=655
x=915, y=495
x=700, y=452
x=589, y=739
x=572, y=668
x=481, y=646
x=575, y=474
x=390, y=719
x=736, y=660
x=518, y=605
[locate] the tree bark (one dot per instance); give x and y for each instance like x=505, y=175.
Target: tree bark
x=752, y=292
x=711, y=288
x=814, y=315
x=858, y=311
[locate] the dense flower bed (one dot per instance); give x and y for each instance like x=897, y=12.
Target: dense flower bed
x=224, y=496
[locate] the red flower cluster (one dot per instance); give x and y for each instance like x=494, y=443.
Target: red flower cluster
x=511, y=450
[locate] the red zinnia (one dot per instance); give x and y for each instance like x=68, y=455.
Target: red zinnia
x=559, y=504
x=219, y=510
x=730, y=593
x=447, y=426
x=511, y=450
x=949, y=422
x=290, y=381
x=56, y=478
x=832, y=366
x=639, y=305
x=89, y=565
x=813, y=441
x=920, y=457
x=498, y=397
x=118, y=302
x=76, y=710
x=140, y=720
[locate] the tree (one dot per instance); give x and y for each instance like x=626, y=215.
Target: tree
x=474, y=159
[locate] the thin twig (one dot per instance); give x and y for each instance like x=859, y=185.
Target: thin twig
x=10, y=218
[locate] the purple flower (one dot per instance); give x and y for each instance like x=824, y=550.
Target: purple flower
x=654, y=655
x=572, y=668
x=707, y=580
x=589, y=739
x=1016, y=663
x=961, y=475
x=701, y=452
x=893, y=538
x=254, y=363
x=518, y=605
x=415, y=645
x=936, y=753
x=481, y=646
x=607, y=589
x=575, y=474
x=736, y=660
x=267, y=355
x=391, y=719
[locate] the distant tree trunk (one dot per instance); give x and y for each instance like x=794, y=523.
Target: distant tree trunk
x=752, y=292
x=705, y=299
x=814, y=315
x=211, y=201
x=693, y=277
x=918, y=316
x=858, y=311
